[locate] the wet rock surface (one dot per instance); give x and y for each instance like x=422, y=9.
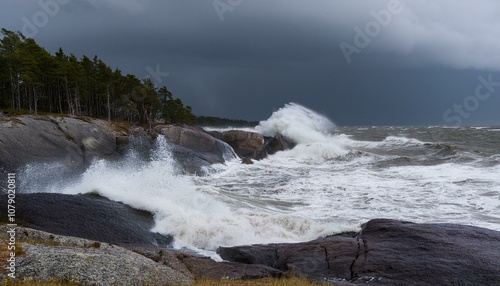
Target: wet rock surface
x=86, y=216
x=278, y=143
x=387, y=252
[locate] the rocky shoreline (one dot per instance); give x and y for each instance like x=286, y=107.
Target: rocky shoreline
x=91, y=240
x=74, y=142
x=383, y=252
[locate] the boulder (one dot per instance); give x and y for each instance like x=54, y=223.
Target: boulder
x=325, y=258
x=188, y=136
x=278, y=143
x=245, y=144
x=86, y=216
x=48, y=257
x=387, y=252
x=194, y=148
x=427, y=254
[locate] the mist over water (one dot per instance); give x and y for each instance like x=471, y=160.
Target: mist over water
x=334, y=180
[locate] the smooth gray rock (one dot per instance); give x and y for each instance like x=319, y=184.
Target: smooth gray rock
x=72, y=142
x=188, y=137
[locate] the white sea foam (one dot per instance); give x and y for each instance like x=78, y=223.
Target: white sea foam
x=199, y=217
x=222, y=129
x=349, y=191
x=400, y=141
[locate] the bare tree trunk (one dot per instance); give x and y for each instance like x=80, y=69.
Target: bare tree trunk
x=59, y=97
x=109, y=105
x=68, y=97
x=12, y=91
x=35, y=100
x=28, y=97
x=18, y=88
x=78, y=109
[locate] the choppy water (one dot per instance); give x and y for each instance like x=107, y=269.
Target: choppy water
x=334, y=180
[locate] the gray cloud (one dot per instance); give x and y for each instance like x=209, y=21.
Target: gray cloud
x=266, y=53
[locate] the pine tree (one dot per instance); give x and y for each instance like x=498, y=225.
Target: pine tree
x=32, y=79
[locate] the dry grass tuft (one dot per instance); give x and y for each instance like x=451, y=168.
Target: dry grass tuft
x=261, y=282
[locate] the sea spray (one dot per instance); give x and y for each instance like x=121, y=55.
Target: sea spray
x=313, y=133
x=298, y=123
x=199, y=217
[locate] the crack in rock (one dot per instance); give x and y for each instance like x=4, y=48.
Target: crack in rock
x=326, y=257
x=276, y=257
x=353, y=274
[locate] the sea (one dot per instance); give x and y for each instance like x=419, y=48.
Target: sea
x=336, y=179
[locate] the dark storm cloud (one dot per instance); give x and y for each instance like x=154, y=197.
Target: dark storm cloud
x=266, y=53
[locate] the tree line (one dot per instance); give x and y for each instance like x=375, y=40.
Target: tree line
x=223, y=122
x=33, y=80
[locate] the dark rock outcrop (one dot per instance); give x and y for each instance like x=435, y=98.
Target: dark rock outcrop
x=278, y=143
x=254, y=145
x=387, y=252
x=206, y=268
x=245, y=144
x=86, y=216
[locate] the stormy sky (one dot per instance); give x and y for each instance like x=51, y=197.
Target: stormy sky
x=360, y=62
